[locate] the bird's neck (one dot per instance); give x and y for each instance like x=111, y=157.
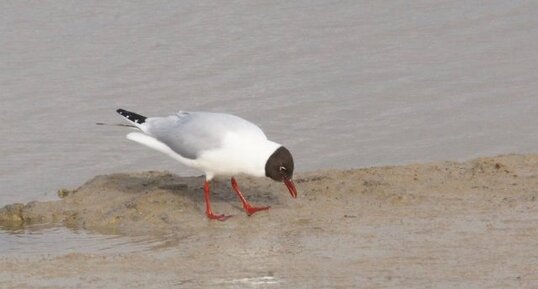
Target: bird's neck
x=261, y=154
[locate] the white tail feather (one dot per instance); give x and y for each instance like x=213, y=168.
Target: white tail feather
x=151, y=142
x=157, y=145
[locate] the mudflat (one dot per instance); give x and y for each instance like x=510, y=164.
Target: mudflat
x=444, y=224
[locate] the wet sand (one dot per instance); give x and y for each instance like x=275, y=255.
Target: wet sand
x=466, y=224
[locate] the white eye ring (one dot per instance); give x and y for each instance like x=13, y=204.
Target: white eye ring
x=282, y=168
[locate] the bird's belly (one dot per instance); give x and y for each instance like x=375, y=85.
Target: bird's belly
x=228, y=163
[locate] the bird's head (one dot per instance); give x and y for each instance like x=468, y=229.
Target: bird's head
x=279, y=167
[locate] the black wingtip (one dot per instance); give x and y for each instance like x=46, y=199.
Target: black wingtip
x=131, y=116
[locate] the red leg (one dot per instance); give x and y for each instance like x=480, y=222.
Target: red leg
x=208, y=210
x=248, y=208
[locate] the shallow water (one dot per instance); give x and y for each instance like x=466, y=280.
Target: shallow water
x=37, y=240
x=343, y=84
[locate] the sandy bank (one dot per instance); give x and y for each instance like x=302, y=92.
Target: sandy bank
x=468, y=223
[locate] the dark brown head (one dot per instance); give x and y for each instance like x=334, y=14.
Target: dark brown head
x=279, y=167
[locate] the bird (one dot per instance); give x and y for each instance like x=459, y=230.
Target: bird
x=217, y=144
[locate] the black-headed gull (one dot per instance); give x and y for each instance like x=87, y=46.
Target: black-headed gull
x=216, y=144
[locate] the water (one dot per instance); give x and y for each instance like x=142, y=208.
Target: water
x=341, y=84
x=53, y=241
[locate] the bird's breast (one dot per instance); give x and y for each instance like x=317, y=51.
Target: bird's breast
x=238, y=155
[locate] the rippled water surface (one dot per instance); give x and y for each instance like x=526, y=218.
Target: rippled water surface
x=52, y=241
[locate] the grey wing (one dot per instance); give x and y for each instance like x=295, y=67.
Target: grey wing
x=187, y=134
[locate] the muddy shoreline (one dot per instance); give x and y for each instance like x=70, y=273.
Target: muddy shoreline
x=449, y=224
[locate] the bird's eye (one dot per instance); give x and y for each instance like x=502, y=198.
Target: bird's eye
x=282, y=168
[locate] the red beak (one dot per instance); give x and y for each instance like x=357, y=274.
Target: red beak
x=291, y=187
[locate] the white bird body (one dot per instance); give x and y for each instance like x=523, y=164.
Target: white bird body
x=223, y=144
x=238, y=155
x=217, y=144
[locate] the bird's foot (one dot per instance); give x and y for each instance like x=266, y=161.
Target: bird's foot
x=251, y=210
x=221, y=217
